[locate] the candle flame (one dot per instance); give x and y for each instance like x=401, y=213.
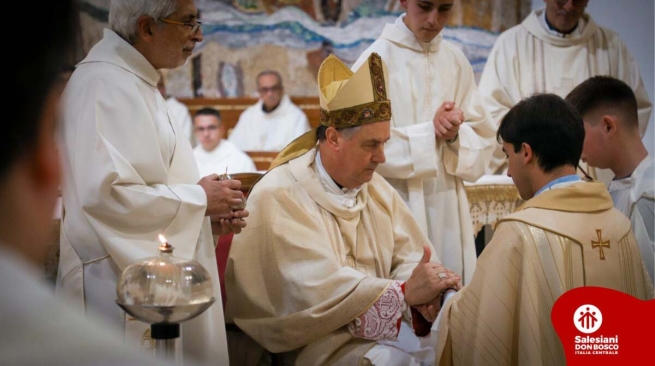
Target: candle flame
x=162, y=239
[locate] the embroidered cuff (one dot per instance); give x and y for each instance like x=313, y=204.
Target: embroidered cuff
x=382, y=320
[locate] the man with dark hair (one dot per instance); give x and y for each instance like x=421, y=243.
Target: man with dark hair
x=35, y=329
x=609, y=109
x=214, y=154
x=273, y=121
x=566, y=235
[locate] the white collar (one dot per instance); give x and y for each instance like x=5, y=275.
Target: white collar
x=343, y=196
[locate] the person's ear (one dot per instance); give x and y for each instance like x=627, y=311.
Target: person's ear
x=526, y=153
x=145, y=26
x=332, y=137
x=609, y=124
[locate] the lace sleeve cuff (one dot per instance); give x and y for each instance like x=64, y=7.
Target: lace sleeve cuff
x=382, y=320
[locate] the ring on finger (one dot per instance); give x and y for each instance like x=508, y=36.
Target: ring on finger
x=442, y=275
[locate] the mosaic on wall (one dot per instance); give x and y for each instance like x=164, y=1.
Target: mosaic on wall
x=244, y=37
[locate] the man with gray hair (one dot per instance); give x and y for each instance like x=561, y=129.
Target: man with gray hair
x=336, y=270
x=129, y=174
x=273, y=122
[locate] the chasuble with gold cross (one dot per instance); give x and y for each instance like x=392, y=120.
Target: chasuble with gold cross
x=559, y=240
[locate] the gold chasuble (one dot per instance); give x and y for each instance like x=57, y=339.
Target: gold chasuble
x=307, y=266
x=559, y=240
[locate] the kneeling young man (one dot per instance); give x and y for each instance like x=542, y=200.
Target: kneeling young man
x=566, y=235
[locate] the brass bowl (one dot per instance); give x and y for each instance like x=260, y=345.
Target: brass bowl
x=247, y=180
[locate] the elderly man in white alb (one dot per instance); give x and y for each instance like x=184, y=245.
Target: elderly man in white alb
x=335, y=269
x=214, y=154
x=273, y=122
x=441, y=133
x=131, y=175
x=551, y=51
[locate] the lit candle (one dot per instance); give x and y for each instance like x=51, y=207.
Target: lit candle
x=164, y=247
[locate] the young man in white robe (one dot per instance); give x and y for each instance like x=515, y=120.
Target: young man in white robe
x=36, y=328
x=214, y=154
x=441, y=133
x=551, y=51
x=273, y=122
x=609, y=109
x=566, y=235
x=335, y=270
x=178, y=110
x=130, y=174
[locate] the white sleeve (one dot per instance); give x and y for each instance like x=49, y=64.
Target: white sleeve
x=643, y=222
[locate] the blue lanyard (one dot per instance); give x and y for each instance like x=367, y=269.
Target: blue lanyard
x=564, y=179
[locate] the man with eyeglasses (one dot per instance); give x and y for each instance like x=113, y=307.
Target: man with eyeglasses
x=214, y=154
x=553, y=50
x=130, y=173
x=273, y=122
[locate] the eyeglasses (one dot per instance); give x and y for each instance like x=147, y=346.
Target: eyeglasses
x=194, y=27
x=211, y=128
x=274, y=88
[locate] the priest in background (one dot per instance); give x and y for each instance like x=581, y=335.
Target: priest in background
x=273, y=122
x=335, y=270
x=609, y=109
x=542, y=250
x=551, y=51
x=214, y=154
x=130, y=173
x=35, y=328
x=441, y=133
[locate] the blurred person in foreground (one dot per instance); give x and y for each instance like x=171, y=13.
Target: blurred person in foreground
x=36, y=329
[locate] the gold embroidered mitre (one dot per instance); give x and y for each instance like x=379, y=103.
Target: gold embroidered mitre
x=350, y=99
x=347, y=100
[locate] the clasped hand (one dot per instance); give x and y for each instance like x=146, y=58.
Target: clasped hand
x=424, y=287
x=222, y=198
x=447, y=120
